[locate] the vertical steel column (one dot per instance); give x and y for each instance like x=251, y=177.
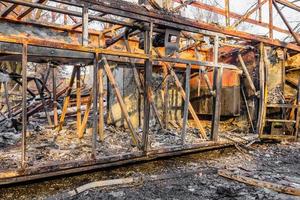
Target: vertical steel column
x=271, y=19
x=24, y=103
x=217, y=87
x=85, y=26
x=186, y=102
x=95, y=102
x=147, y=86
x=227, y=13
x=54, y=75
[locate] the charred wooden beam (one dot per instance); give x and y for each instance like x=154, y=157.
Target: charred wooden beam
x=217, y=87
x=95, y=105
x=186, y=103
x=147, y=87
x=24, y=104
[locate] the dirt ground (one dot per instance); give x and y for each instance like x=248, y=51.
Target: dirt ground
x=277, y=163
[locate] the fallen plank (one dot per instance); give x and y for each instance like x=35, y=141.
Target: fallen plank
x=259, y=183
x=121, y=182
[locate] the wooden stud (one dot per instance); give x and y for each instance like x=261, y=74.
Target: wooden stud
x=54, y=75
x=78, y=98
x=101, y=105
x=24, y=103
x=271, y=19
x=186, y=102
x=86, y=117
x=165, y=87
x=85, y=26
x=94, y=98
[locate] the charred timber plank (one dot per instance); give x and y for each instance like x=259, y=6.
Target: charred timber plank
x=54, y=91
x=85, y=26
x=148, y=67
x=262, y=91
x=259, y=183
x=101, y=104
x=95, y=105
x=78, y=97
x=24, y=104
x=165, y=95
x=186, y=103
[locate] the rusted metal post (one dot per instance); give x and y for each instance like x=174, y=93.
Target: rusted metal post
x=85, y=26
x=227, y=13
x=55, y=114
x=95, y=104
x=147, y=87
x=271, y=19
x=218, y=73
x=186, y=102
x=78, y=98
x=24, y=103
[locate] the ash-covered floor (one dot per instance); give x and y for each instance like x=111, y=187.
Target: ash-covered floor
x=277, y=163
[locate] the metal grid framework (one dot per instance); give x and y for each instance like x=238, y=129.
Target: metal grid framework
x=97, y=48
